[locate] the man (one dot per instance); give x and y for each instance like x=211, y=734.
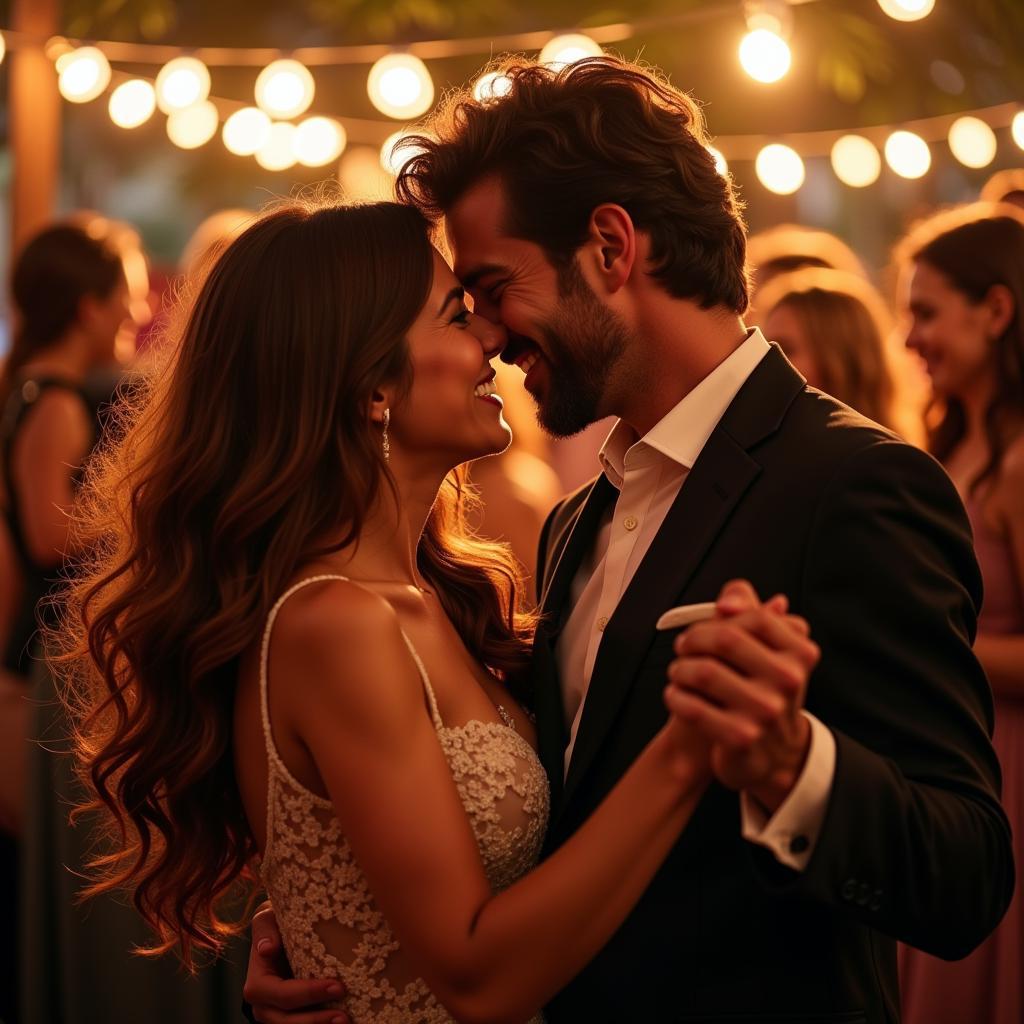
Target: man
x=585, y=214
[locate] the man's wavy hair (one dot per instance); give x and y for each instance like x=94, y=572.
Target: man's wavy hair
x=562, y=142
x=235, y=465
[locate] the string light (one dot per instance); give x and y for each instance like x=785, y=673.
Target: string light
x=907, y=10
x=1017, y=129
x=908, y=154
x=567, y=49
x=277, y=153
x=972, y=141
x=397, y=149
x=318, y=141
x=765, y=55
x=181, y=83
x=780, y=169
x=245, y=131
x=491, y=86
x=856, y=161
x=285, y=89
x=362, y=176
x=3, y=47
x=400, y=86
x=83, y=74
x=132, y=103
x=194, y=126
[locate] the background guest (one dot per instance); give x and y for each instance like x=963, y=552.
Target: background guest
x=836, y=330
x=965, y=293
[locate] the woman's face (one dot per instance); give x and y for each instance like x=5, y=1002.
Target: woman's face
x=451, y=410
x=783, y=326
x=104, y=318
x=949, y=332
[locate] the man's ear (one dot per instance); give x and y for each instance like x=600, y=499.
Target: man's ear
x=612, y=243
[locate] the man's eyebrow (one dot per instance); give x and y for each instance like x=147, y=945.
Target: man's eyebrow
x=456, y=293
x=470, y=279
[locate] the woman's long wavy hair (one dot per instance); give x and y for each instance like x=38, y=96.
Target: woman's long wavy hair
x=233, y=463
x=977, y=247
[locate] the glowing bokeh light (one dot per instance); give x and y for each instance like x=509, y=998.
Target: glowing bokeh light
x=765, y=56
x=396, y=151
x=907, y=10
x=278, y=152
x=779, y=169
x=285, y=88
x=83, y=74
x=400, y=86
x=318, y=141
x=181, y=83
x=194, y=126
x=972, y=141
x=856, y=161
x=567, y=49
x=908, y=154
x=245, y=131
x=132, y=103
x=1017, y=128
x=491, y=86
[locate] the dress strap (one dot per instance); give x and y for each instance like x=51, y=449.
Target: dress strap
x=268, y=732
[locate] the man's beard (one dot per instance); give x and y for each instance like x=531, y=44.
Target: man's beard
x=584, y=342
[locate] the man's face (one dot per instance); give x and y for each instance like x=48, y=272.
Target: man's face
x=566, y=341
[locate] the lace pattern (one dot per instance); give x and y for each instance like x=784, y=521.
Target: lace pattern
x=328, y=917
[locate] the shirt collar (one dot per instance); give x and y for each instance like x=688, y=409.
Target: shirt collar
x=682, y=433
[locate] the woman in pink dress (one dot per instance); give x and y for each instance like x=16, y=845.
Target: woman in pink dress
x=966, y=299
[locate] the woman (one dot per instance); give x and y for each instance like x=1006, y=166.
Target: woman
x=290, y=648
x=835, y=329
x=966, y=300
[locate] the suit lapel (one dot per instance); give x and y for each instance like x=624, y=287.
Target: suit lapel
x=721, y=475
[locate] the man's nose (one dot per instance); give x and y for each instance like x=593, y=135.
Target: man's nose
x=493, y=337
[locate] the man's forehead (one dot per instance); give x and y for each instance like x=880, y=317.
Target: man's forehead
x=475, y=224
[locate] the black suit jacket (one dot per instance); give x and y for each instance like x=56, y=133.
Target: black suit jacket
x=868, y=538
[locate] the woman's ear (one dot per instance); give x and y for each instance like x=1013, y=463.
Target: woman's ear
x=379, y=402
x=1001, y=306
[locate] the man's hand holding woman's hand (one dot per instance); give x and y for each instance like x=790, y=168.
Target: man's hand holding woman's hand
x=739, y=681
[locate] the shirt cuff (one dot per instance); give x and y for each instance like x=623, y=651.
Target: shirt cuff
x=792, y=831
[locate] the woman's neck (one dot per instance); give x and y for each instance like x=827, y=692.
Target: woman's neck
x=68, y=357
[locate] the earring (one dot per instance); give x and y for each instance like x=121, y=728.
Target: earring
x=386, y=443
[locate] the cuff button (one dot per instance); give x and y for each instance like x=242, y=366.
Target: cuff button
x=799, y=844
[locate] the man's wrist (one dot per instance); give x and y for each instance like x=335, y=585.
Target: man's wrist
x=771, y=793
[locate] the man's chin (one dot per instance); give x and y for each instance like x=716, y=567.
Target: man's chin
x=561, y=420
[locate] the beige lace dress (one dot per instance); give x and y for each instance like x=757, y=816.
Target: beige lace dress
x=328, y=917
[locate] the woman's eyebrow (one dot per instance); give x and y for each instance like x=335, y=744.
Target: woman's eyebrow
x=457, y=293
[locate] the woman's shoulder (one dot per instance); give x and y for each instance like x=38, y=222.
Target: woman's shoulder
x=1009, y=487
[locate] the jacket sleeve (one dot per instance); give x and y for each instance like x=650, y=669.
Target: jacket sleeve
x=914, y=842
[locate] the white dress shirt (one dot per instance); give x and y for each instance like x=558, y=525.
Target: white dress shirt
x=648, y=473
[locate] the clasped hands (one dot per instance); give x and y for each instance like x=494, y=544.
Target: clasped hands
x=737, y=684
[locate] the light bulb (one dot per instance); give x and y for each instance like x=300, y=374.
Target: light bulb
x=908, y=154
x=277, y=153
x=721, y=165
x=491, y=86
x=132, y=103
x=779, y=169
x=318, y=141
x=1017, y=128
x=566, y=49
x=194, y=126
x=285, y=89
x=400, y=86
x=84, y=74
x=765, y=56
x=181, y=83
x=856, y=161
x=245, y=131
x=972, y=141
x=396, y=151
x=907, y=10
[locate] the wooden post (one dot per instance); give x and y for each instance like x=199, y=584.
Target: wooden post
x=35, y=117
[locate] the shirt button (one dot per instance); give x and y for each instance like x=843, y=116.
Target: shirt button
x=601, y=623
x=630, y=522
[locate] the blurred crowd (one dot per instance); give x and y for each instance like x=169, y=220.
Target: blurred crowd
x=931, y=347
